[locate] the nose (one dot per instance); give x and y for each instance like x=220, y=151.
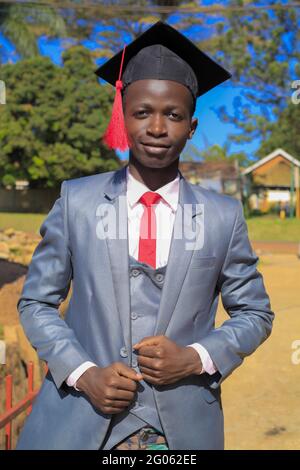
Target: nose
x=157, y=126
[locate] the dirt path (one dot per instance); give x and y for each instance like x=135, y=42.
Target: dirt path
x=276, y=248
x=261, y=398
x=12, y=277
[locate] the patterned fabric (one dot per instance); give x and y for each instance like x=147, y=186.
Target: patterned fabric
x=147, y=438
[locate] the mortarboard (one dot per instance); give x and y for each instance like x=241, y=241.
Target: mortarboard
x=162, y=53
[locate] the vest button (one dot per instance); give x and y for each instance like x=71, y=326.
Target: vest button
x=159, y=277
x=134, y=362
x=134, y=315
x=135, y=272
x=123, y=352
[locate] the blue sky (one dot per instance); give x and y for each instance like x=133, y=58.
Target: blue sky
x=211, y=130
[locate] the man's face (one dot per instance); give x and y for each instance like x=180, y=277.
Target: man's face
x=158, y=121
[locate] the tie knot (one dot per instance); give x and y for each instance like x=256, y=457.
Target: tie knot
x=149, y=198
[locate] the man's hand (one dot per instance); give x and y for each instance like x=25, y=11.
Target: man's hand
x=110, y=389
x=162, y=362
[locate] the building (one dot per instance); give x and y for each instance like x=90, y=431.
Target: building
x=273, y=182
x=220, y=176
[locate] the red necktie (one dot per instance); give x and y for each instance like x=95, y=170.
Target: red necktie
x=147, y=240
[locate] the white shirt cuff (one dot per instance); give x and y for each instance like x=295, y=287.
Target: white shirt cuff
x=207, y=363
x=77, y=373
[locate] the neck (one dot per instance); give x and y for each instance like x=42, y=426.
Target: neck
x=153, y=178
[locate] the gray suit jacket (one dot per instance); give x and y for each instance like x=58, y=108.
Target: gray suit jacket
x=97, y=323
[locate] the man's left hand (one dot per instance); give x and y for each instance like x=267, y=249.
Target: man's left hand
x=162, y=361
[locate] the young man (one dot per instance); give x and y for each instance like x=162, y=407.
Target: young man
x=137, y=363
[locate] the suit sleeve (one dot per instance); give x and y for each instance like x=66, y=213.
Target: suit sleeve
x=46, y=285
x=245, y=300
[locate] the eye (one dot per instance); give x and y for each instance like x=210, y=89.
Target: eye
x=140, y=113
x=175, y=115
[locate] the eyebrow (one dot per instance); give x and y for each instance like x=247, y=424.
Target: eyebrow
x=168, y=106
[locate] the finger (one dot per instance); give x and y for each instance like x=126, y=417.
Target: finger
x=148, y=362
x=124, y=395
x=148, y=341
x=150, y=372
x=127, y=372
x=113, y=411
x=120, y=394
x=128, y=384
x=118, y=403
x=149, y=351
x=150, y=379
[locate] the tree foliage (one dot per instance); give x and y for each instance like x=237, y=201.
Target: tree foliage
x=23, y=23
x=51, y=126
x=262, y=50
x=260, y=46
x=285, y=134
x=213, y=153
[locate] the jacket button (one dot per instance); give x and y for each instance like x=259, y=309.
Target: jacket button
x=159, y=277
x=123, y=352
x=135, y=272
x=134, y=315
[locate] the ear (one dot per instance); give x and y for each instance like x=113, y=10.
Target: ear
x=194, y=124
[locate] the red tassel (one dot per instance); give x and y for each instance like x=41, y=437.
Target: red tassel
x=115, y=135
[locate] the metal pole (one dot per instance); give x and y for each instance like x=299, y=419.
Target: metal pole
x=292, y=191
x=297, y=185
x=8, y=406
x=30, y=370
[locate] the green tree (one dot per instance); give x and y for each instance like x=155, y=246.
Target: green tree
x=285, y=134
x=261, y=47
x=214, y=153
x=23, y=23
x=51, y=126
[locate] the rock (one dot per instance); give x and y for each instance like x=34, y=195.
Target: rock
x=4, y=250
x=9, y=231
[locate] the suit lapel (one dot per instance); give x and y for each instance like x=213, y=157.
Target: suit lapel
x=115, y=194
x=181, y=250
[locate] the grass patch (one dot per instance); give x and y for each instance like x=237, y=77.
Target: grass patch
x=263, y=228
x=21, y=221
x=271, y=228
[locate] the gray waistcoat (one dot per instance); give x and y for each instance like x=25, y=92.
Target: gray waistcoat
x=145, y=291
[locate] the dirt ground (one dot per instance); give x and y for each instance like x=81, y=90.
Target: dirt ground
x=260, y=399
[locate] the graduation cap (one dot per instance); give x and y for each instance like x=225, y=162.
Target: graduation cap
x=161, y=53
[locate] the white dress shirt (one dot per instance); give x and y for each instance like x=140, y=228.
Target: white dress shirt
x=165, y=215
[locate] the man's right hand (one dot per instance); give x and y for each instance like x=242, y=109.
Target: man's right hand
x=110, y=389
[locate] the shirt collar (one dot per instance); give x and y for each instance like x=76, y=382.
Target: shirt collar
x=169, y=192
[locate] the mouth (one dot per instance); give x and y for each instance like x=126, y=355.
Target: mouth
x=155, y=149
